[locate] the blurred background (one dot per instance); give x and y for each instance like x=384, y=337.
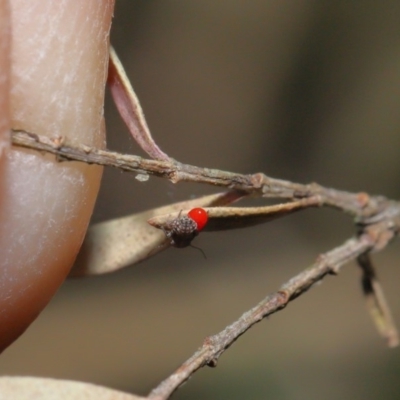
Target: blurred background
x=302, y=90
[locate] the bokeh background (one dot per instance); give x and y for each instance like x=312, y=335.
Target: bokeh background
x=303, y=90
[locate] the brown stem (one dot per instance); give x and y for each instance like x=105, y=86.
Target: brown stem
x=359, y=205
x=214, y=346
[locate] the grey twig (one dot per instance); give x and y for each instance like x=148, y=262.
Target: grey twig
x=214, y=346
x=360, y=205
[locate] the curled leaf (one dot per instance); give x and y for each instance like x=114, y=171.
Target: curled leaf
x=115, y=244
x=224, y=218
x=377, y=304
x=129, y=108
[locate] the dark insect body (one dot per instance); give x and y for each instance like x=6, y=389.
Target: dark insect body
x=183, y=229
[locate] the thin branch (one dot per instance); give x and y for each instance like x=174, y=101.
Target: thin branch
x=214, y=346
x=360, y=205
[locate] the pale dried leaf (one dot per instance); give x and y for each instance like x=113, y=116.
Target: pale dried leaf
x=115, y=244
x=29, y=388
x=381, y=315
x=224, y=218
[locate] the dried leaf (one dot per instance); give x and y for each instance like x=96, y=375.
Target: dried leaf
x=29, y=388
x=224, y=218
x=115, y=244
x=129, y=108
x=377, y=305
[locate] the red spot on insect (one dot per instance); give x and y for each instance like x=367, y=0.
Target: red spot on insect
x=200, y=216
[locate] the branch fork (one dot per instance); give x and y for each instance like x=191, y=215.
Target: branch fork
x=107, y=248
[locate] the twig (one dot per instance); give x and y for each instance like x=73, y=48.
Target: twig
x=360, y=205
x=214, y=346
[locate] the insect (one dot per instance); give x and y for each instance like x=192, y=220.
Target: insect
x=183, y=229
